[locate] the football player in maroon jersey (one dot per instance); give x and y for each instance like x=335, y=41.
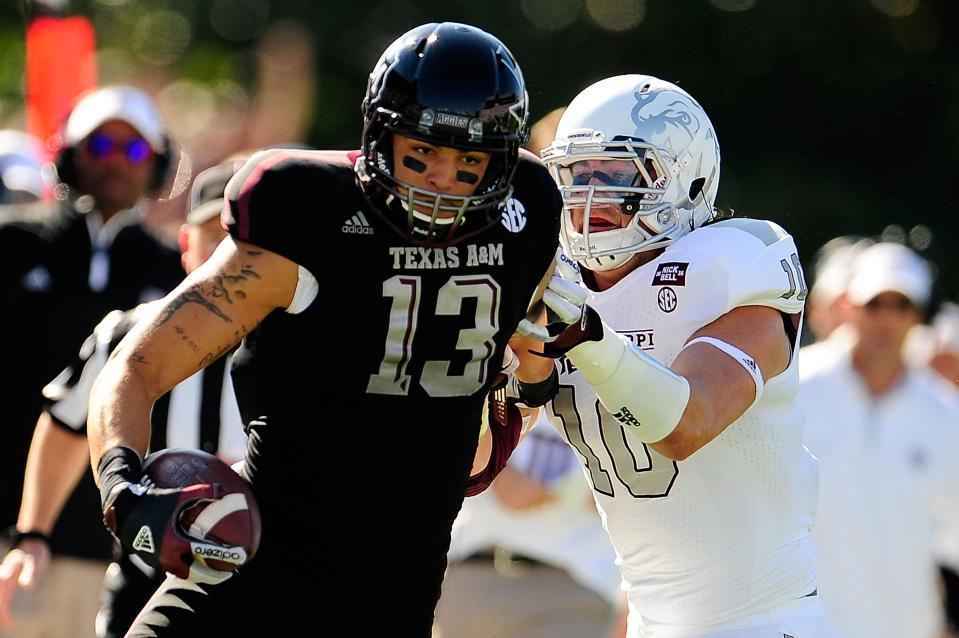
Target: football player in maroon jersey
x=374, y=292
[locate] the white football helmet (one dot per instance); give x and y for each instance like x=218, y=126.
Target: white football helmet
x=669, y=138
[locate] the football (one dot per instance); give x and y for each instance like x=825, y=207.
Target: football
x=233, y=519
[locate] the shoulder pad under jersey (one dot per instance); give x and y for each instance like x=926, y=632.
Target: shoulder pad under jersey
x=274, y=200
x=754, y=260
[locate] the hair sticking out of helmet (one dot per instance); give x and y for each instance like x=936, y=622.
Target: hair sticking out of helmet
x=449, y=85
x=663, y=156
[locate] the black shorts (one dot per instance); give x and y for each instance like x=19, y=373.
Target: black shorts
x=267, y=597
x=126, y=589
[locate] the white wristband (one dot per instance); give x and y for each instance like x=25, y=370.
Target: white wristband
x=747, y=362
x=640, y=392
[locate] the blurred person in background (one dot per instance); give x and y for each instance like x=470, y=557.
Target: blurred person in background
x=827, y=310
x=63, y=266
x=937, y=346
x=23, y=178
x=887, y=440
x=199, y=413
x=529, y=557
x=825, y=304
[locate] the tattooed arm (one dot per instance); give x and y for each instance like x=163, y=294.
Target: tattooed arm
x=207, y=314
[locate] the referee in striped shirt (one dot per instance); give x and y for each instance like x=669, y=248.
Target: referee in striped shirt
x=200, y=412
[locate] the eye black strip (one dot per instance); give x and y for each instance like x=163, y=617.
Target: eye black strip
x=466, y=177
x=414, y=164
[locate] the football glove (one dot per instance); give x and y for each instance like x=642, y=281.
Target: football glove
x=570, y=321
x=145, y=520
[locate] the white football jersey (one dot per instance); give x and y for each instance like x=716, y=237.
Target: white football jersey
x=725, y=534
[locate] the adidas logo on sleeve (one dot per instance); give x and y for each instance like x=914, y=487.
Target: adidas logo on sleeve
x=357, y=225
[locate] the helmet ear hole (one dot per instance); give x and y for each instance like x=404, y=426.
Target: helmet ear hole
x=696, y=188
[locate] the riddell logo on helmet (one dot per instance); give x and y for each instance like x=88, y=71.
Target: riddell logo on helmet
x=583, y=133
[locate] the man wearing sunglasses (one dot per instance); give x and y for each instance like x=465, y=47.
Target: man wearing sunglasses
x=65, y=263
x=887, y=438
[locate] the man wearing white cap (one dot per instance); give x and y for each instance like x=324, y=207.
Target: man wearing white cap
x=115, y=149
x=63, y=266
x=887, y=441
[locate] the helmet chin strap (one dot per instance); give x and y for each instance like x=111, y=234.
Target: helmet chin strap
x=609, y=262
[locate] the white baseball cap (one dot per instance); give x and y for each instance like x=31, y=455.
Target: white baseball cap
x=124, y=103
x=834, y=267
x=889, y=267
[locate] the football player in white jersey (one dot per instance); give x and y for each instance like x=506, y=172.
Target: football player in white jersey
x=681, y=401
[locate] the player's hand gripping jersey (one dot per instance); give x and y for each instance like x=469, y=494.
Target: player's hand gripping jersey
x=725, y=533
x=374, y=379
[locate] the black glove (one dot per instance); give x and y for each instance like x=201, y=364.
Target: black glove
x=145, y=519
x=568, y=336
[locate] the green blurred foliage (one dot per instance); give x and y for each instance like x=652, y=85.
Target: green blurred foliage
x=833, y=117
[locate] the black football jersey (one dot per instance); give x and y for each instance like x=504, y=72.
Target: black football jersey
x=370, y=398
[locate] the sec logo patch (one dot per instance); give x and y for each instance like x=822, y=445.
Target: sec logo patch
x=514, y=216
x=667, y=299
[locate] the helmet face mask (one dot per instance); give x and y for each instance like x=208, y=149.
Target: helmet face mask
x=447, y=85
x=666, y=135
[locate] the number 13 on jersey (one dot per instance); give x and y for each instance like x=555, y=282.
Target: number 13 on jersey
x=406, y=292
